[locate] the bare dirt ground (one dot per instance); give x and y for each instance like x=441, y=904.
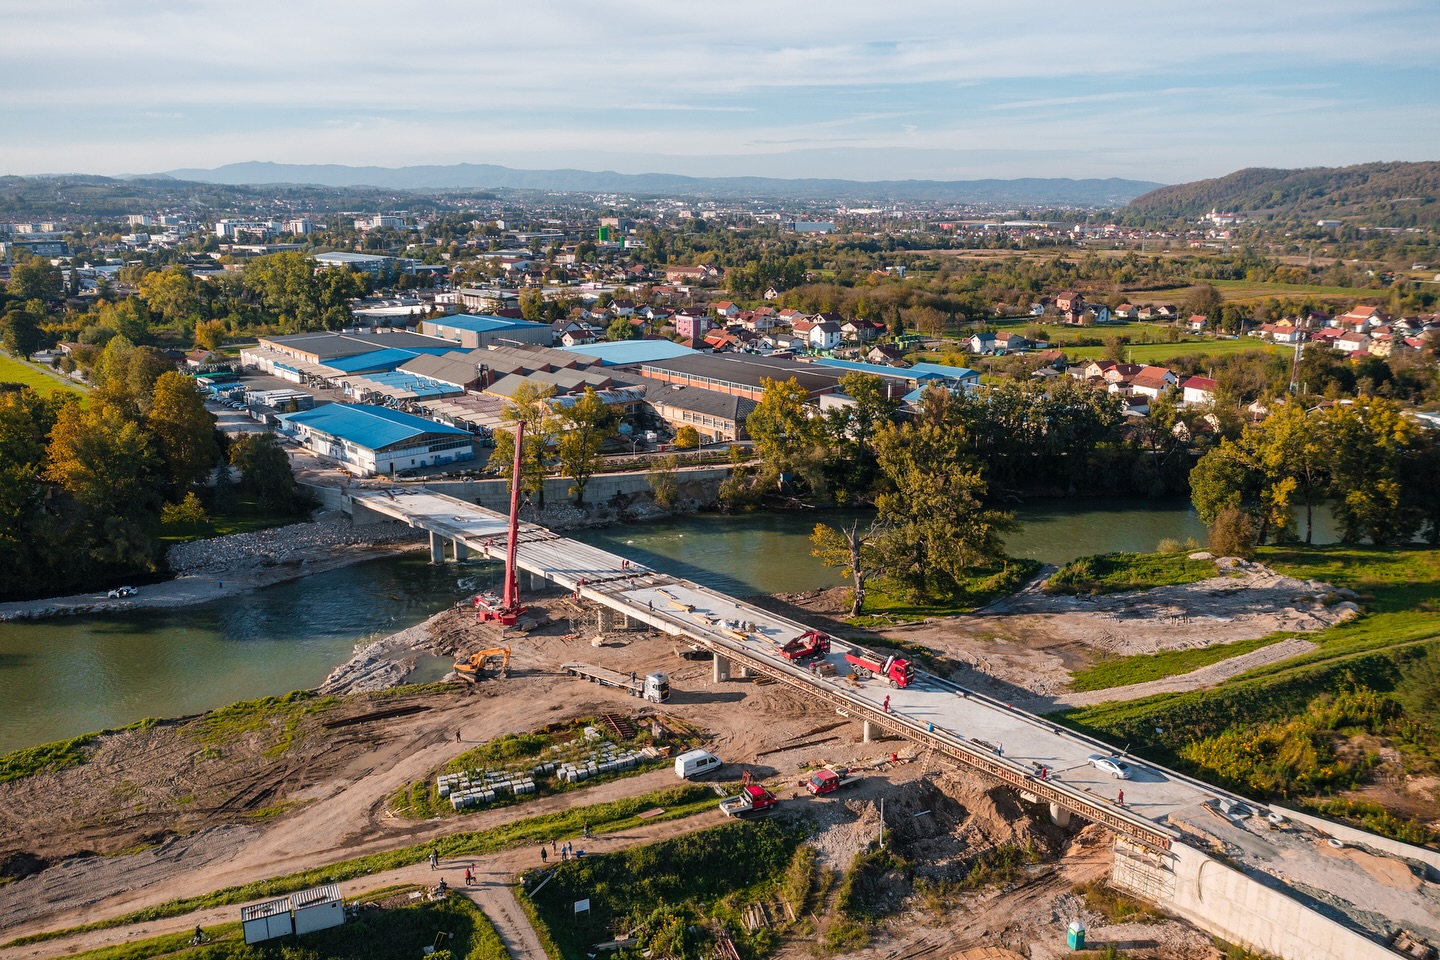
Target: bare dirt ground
x=163, y=812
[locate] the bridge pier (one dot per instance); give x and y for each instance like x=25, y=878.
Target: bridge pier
x=462, y=552
x=1059, y=815
x=537, y=583
x=605, y=619
x=437, y=548
x=721, y=669
x=870, y=732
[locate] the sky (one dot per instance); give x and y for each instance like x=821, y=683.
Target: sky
x=859, y=90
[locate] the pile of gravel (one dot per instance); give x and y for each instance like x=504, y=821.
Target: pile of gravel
x=299, y=541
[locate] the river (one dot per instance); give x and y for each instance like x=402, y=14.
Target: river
x=67, y=676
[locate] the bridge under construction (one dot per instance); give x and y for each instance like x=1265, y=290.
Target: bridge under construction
x=1288, y=884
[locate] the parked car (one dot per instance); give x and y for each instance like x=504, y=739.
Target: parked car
x=1112, y=765
x=119, y=592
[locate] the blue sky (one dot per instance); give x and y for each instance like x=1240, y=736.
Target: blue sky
x=942, y=90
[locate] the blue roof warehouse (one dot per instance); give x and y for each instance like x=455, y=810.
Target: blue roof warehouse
x=473, y=331
x=375, y=440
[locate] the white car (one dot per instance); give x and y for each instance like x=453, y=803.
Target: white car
x=119, y=592
x=1112, y=765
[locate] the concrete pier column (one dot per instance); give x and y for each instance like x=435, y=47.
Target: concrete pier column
x=870, y=732
x=462, y=552
x=437, y=548
x=1059, y=815
x=605, y=619
x=722, y=669
x=742, y=672
x=627, y=623
x=537, y=582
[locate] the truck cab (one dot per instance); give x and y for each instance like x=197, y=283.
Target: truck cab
x=657, y=687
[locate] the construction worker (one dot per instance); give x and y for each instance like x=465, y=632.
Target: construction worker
x=543, y=856
x=886, y=704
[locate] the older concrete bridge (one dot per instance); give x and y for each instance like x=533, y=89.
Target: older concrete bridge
x=1296, y=894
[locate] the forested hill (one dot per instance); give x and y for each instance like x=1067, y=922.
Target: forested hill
x=1384, y=194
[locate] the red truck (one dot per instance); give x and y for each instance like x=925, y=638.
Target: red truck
x=828, y=781
x=812, y=643
x=897, y=670
x=754, y=800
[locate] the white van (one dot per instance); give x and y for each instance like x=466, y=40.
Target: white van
x=695, y=762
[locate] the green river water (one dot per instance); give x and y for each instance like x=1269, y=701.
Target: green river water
x=67, y=676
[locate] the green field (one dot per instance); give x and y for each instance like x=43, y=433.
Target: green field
x=1242, y=290
x=14, y=371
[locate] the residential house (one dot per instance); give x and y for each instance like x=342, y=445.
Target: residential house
x=1153, y=381
x=773, y=293
x=1126, y=311
x=692, y=323
x=1352, y=343
x=887, y=354
x=686, y=274
x=623, y=308
x=824, y=335
x=983, y=343
x=1006, y=342
x=1068, y=300
x=1197, y=323
x=862, y=330
x=726, y=310
x=1360, y=318
x=1197, y=390
x=789, y=316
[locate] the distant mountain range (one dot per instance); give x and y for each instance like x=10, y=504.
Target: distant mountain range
x=484, y=176
x=1389, y=194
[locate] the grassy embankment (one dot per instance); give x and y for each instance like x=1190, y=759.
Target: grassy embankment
x=1314, y=726
x=884, y=607
x=673, y=895
x=396, y=934
x=17, y=371
x=612, y=817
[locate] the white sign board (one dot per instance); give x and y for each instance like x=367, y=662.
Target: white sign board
x=582, y=905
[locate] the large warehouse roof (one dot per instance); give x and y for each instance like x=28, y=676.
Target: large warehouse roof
x=479, y=322
x=367, y=426
x=328, y=346
x=631, y=351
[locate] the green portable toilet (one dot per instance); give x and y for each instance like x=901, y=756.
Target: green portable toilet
x=1076, y=935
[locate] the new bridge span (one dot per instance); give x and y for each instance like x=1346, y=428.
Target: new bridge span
x=1329, y=904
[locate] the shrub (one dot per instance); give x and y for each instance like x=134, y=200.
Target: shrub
x=1233, y=534
x=687, y=438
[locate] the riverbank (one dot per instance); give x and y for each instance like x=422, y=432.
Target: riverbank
x=209, y=570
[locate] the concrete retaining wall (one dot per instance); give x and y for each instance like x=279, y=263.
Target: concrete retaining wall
x=1225, y=902
x=495, y=494
x=1360, y=838
x=330, y=498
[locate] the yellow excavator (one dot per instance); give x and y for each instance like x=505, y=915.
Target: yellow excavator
x=477, y=663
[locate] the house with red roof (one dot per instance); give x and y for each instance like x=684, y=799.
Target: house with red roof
x=1197, y=390
x=1153, y=381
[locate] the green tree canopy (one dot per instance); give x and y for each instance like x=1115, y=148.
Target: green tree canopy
x=184, y=429
x=585, y=426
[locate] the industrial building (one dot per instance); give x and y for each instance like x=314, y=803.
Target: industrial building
x=377, y=266
x=327, y=356
x=372, y=440
x=474, y=331
x=715, y=416
x=915, y=377
x=741, y=374
x=625, y=353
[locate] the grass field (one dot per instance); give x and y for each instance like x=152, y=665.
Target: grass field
x=1144, y=667
x=1241, y=290
x=1118, y=572
x=14, y=371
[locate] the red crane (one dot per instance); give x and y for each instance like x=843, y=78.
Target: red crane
x=508, y=610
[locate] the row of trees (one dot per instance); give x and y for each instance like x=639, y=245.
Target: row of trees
x=571, y=433
x=1375, y=467
x=84, y=486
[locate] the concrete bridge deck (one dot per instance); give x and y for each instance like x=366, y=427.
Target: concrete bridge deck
x=1160, y=807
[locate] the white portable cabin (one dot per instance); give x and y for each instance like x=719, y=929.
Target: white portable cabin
x=695, y=762
x=266, y=921
x=318, y=909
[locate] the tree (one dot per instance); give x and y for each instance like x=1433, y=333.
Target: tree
x=35, y=279
x=531, y=404
x=621, y=329
x=25, y=422
x=788, y=439
x=1204, y=300
x=1292, y=450
x=1115, y=349
x=585, y=426
x=265, y=471
x=184, y=429
x=105, y=461
x=663, y=484
x=173, y=293
x=1370, y=443
x=22, y=333
x=938, y=527
x=210, y=334
x=853, y=552
x=687, y=438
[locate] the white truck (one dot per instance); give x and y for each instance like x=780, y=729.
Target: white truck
x=654, y=687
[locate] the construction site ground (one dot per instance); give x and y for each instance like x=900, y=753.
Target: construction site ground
x=155, y=814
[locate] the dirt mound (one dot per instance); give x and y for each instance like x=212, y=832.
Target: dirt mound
x=17, y=866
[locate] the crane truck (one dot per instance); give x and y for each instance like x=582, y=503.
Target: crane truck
x=753, y=801
x=828, y=781
x=811, y=643
x=897, y=670
x=654, y=687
